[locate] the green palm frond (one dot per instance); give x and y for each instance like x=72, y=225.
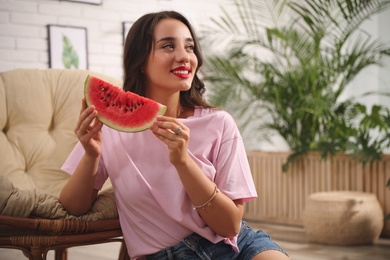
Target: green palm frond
x=297, y=69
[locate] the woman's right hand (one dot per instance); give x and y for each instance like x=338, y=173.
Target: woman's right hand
x=88, y=130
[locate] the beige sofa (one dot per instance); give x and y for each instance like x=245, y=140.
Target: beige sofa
x=38, y=113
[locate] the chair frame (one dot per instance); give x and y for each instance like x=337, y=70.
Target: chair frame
x=37, y=236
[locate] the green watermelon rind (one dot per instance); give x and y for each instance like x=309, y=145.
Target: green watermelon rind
x=113, y=125
x=133, y=129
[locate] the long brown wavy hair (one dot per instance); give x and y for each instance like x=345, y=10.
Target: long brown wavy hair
x=139, y=44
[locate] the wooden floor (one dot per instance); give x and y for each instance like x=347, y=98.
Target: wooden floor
x=291, y=239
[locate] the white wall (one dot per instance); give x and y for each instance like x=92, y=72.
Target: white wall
x=384, y=73
x=23, y=32
x=23, y=36
x=374, y=78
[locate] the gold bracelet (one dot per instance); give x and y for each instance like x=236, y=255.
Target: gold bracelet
x=208, y=203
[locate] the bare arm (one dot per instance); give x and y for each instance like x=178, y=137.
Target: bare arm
x=223, y=215
x=78, y=194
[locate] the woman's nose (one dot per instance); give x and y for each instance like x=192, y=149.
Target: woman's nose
x=182, y=56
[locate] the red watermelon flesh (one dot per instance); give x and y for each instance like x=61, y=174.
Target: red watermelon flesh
x=121, y=110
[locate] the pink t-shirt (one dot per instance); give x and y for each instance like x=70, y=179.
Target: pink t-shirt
x=154, y=209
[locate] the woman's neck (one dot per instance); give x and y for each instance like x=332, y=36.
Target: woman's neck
x=172, y=102
x=174, y=109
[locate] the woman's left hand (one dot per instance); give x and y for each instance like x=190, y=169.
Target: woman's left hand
x=175, y=135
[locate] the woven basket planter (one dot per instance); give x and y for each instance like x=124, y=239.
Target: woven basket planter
x=343, y=218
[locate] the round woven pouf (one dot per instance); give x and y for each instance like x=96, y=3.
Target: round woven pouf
x=343, y=218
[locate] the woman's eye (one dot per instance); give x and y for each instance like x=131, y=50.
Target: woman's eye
x=168, y=46
x=191, y=47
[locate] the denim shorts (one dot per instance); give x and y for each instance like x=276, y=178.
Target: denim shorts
x=194, y=246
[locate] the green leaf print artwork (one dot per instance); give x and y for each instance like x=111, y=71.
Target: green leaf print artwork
x=70, y=57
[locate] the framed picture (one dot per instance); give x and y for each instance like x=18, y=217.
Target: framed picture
x=67, y=47
x=94, y=2
x=125, y=28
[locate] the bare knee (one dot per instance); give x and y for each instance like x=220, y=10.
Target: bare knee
x=271, y=255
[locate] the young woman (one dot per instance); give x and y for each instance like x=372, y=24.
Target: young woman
x=180, y=186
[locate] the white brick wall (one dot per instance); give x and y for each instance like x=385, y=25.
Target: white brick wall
x=24, y=43
x=23, y=32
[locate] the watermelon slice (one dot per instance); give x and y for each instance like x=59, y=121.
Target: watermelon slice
x=121, y=110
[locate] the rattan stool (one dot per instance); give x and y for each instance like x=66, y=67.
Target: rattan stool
x=343, y=218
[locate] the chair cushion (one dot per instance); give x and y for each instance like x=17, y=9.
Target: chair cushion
x=37, y=203
x=38, y=113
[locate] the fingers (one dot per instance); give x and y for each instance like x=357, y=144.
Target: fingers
x=175, y=135
x=87, y=124
x=92, y=129
x=82, y=109
x=170, y=129
x=83, y=105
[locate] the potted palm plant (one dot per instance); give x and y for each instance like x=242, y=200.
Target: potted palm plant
x=286, y=66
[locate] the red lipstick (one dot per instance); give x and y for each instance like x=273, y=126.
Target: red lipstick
x=182, y=72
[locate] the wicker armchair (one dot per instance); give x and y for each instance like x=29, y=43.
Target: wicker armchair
x=38, y=112
x=36, y=236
